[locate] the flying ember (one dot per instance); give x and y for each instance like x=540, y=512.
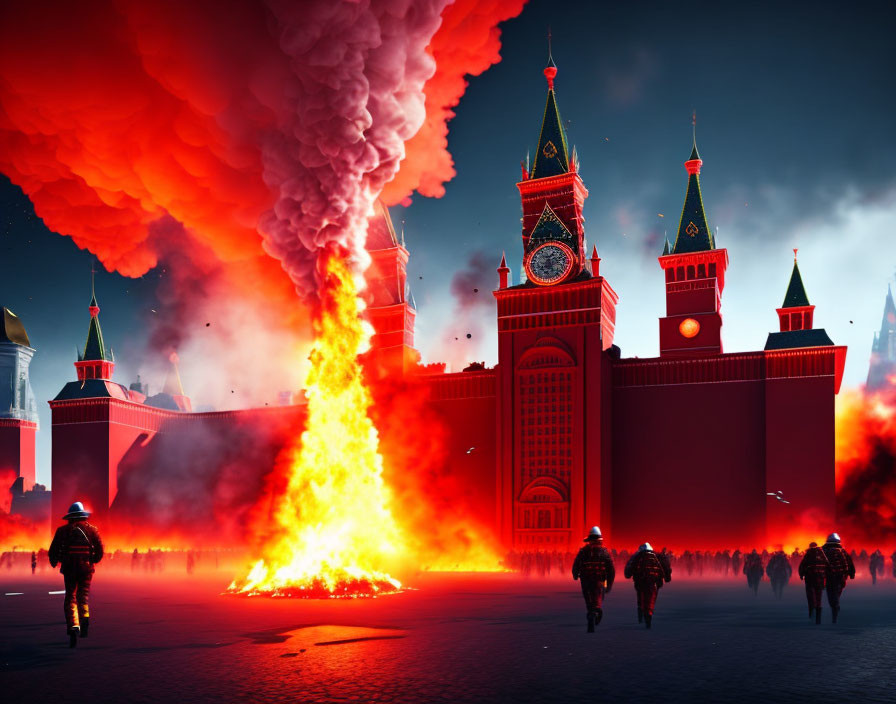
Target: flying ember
x=329, y=531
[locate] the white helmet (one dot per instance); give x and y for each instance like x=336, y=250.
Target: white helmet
x=594, y=533
x=645, y=546
x=834, y=538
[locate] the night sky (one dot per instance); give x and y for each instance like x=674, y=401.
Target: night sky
x=795, y=124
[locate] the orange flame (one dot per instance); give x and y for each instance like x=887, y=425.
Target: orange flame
x=330, y=532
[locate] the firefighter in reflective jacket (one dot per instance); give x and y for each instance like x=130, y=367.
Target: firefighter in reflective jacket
x=77, y=547
x=840, y=567
x=648, y=572
x=814, y=570
x=594, y=569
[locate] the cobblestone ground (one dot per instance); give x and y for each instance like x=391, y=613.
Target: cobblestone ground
x=490, y=638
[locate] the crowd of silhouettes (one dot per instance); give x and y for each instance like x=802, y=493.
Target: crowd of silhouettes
x=776, y=567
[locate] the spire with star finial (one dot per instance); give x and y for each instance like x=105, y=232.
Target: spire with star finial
x=694, y=234
x=95, y=362
x=552, y=155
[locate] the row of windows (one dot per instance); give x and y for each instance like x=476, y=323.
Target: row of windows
x=543, y=378
x=544, y=518
x=555, y=427
x=690, y=273
x=796, y=321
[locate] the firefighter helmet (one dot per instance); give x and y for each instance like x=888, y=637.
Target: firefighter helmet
x=594, y=534
x=645, y=547
x=834, y=538
x=75, y=511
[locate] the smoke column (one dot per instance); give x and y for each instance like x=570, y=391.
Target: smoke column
x=261, y=134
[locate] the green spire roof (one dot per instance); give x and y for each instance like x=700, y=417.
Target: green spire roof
x=796, y=292
x=552, y=155
x=694, y=234
x=694, y=153
x=94, y=348
x=667, y=248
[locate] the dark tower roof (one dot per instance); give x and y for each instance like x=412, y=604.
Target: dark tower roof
x=694, y=234
x=552, y=155
x=94, y=348
x=380, y=231
x=13, y=330
x=888, y=324
x=796, y=292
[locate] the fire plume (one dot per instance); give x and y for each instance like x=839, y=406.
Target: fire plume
x=329, y=530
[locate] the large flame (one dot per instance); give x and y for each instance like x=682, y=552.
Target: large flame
x=330, y=530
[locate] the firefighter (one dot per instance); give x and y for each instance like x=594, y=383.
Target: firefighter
x=814, y=570
x=840, y=566
x=779, y=571
x=753, y=569
x=594, y=569
x=648, y=572
x=876, y=565
x=77, y=547
x=33, y=562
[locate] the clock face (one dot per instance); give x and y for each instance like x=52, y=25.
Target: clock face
x=549, y=263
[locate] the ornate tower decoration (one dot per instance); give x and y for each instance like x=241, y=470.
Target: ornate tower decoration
x=882, y=370
x=695, y=277
x=94, y=362
x=553, y=194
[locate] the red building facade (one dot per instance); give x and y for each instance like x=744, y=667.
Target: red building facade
x=563, y=433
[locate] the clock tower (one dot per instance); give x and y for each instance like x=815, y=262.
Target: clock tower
x=555, y=331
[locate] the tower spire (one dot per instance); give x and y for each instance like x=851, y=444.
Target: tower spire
x=94, y=362
x=694, y=234
x=796, y=292
x=552, y=155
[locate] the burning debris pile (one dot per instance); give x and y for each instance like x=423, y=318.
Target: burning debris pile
x=325, y=528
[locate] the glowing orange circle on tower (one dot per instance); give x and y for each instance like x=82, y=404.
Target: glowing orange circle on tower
x=689, y=327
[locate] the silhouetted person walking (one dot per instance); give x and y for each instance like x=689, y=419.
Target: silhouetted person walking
x=840, y=567
x=876, y=565
x=33, y=562
x=77, y=546
x=648, y=572
x=753, y=569
x=594, y=569
x=814, y=570
x=779, y=571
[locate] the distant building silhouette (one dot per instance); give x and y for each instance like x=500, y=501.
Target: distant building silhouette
x=882, y=368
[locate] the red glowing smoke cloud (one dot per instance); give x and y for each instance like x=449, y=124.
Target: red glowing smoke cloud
x=270, y=127
x=263, y=132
